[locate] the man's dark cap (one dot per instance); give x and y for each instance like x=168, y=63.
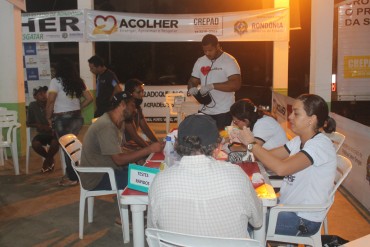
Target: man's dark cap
x=118, y=97
x=36, y=90
x=199, y=125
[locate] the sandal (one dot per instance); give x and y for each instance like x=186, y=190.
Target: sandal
x=52, y=167
x=45, y=170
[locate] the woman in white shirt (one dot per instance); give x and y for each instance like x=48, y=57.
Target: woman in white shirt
x=308, y=162
x=67, y=95
x=266, y=130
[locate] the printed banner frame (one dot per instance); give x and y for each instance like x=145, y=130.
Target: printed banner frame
x=353, y=72
x=91, y=25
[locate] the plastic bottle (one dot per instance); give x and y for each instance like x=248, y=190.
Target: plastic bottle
x=168, y=151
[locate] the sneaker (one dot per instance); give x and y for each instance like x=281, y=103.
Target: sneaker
x=66, y=182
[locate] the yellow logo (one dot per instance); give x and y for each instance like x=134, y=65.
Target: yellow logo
x=241, y=27
x=356, y=67
x=105, y=24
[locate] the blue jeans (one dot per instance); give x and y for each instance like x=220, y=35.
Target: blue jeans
x=121, y=176
x=68, y=124
x=289, y=223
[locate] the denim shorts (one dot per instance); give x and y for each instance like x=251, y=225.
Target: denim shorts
x=67, y=123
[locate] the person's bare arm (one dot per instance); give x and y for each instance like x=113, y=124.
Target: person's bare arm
x=147, y=130
x=278, y=159
x=282, y=167
x=87, y=99
x=117, y=88
x=50, y=105
x=125, y=158
x=233, y=84
x=193, y=82
x=131, y=130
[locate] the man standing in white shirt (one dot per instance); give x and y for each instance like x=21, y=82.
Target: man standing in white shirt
x=203, y=196
x=218, y=75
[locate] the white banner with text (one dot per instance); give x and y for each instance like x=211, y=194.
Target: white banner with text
x=353, y=77
x=154, y=101
x=257, y=25
x=53, y=26
x=91, y=25
x=356, y=148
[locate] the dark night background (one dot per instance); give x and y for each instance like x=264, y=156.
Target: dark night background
x=170, y=63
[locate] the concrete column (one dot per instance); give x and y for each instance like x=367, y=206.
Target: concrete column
x=12, y=93
x=86, y=50
x=322, y=16
x=280, y=58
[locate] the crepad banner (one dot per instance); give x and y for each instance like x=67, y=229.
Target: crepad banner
x=257, y=25
x=353, y=51
x=53, y=26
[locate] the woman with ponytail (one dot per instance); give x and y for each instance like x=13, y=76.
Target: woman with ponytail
x=266, y=130
x=308, y=162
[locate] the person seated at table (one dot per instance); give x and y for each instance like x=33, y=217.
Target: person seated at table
x=132, y=138
x=201, y=195
x=308, y=162
x=101, y=145
x=36, y=118
x=266, y=130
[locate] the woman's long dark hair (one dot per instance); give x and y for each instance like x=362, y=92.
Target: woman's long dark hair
x=245, y=109
x=71, y=81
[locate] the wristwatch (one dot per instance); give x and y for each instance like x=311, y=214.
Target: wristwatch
x=250, y=146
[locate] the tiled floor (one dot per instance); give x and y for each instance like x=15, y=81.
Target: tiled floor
x=35, y=211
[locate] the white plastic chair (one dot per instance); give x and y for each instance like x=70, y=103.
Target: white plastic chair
x=337, y=139
x=29, y=146
x=73, y=147
x=8, y=122
x=173, y=103
x=344, y=166
x=161, y=238
x=2, y=150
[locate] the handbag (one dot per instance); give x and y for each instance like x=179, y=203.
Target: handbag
x=240, y=157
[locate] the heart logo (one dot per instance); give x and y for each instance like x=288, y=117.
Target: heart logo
x=105, y=23
x=205, y=70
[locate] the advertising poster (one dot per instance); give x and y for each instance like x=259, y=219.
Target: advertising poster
x=356, y=148
x=154, y=103
x=37, y=70
x=256, y=25
x=353, y=78
x=53, y=26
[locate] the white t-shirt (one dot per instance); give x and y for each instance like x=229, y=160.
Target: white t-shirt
x=63, y=103
x=269, y=130
x=218, y=71
x=313, y=184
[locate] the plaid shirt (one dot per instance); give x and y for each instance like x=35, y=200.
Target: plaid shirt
x=203, y=196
